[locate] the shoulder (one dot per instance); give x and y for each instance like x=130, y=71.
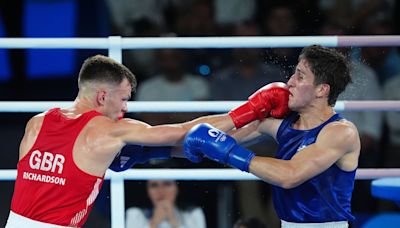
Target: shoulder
x=342, y=133
x=36, y=121
x=342, y=138
x=101, y=121
x=101, y=127
x=152, y=82
x=135, y=217
x=194, y=217
x=360, y=69
x=391, y=85
x=134, y=212
x=105, y=124
x=342, y=125
x=339, y=128
x=225, y=74
x=195, y=79
x=195, y=210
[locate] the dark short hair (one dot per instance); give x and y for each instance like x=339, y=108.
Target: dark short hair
x=103, y=69
x=329, y=67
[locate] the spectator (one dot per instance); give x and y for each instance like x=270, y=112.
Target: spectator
x=355, y=14
x=229, y=13
x=247, y=73
x=164, y=212
x=280, y=20
x=124, y=12
x=392, y=150
x=384, y=60
x=173, y=83
x=249, y=223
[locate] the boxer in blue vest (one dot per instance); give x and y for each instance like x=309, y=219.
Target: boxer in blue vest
x=313, y=173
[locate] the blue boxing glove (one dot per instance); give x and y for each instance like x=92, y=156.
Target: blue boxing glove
x=137, y=154
x=205, y=140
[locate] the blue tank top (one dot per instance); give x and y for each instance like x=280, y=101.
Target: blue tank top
x=325, y=197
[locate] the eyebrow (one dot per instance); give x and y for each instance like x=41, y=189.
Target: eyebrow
x=300, y=70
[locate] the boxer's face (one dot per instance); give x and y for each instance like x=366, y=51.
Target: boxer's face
x=301, y=86
x=116, y=100
x=159, y=191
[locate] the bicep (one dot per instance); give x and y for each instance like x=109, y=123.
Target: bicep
x=256, y=130
x=246, y=134
x=330, y=146
x=270, y=126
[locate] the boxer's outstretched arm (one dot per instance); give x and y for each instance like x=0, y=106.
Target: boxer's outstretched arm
x=137, y=132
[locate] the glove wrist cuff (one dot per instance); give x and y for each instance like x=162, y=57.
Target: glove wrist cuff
x=242, y=115
x=240, y=158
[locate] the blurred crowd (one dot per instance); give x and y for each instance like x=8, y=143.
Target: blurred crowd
x=231, y=74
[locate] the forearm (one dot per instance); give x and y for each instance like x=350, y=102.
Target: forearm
x=273, y=171
x=220, y=121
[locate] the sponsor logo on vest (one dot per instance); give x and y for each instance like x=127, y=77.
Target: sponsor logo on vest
x=46, y=162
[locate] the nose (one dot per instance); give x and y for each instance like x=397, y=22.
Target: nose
x=290, y=82
x=125, y=107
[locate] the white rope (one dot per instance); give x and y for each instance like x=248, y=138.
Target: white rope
x=225, y=174
x=189, y=106
x=200, y=42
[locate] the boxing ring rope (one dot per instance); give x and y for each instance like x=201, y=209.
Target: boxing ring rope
x=115, y=45
x=200, y=42
x=190, y=106
x=223, y=174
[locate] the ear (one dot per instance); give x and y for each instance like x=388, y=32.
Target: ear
x=101, y=97
x=323, y=90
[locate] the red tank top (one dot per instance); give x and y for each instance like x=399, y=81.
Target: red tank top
x=49, y=186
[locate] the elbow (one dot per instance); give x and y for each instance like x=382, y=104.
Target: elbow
x=292, y=180
x=289, y=184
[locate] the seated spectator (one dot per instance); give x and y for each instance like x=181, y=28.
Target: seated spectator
x=172, y=83
x=164, y=212
x=249, y=223
x=280, y=19
x=247, y=73
x=384, y=60
x=392, y=150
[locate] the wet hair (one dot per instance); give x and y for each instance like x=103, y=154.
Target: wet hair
x=329, y=67
x=102, y=69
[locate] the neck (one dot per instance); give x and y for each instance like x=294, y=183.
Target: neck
x=314, y=117
x=83, y=103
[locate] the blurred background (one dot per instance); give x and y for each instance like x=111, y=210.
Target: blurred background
x=202, y=74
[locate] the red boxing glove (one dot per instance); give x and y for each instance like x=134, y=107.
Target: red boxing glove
x=270, y=100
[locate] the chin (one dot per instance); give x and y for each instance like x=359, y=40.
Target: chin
x=293, y=107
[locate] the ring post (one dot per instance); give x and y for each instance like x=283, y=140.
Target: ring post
x=116, y=181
